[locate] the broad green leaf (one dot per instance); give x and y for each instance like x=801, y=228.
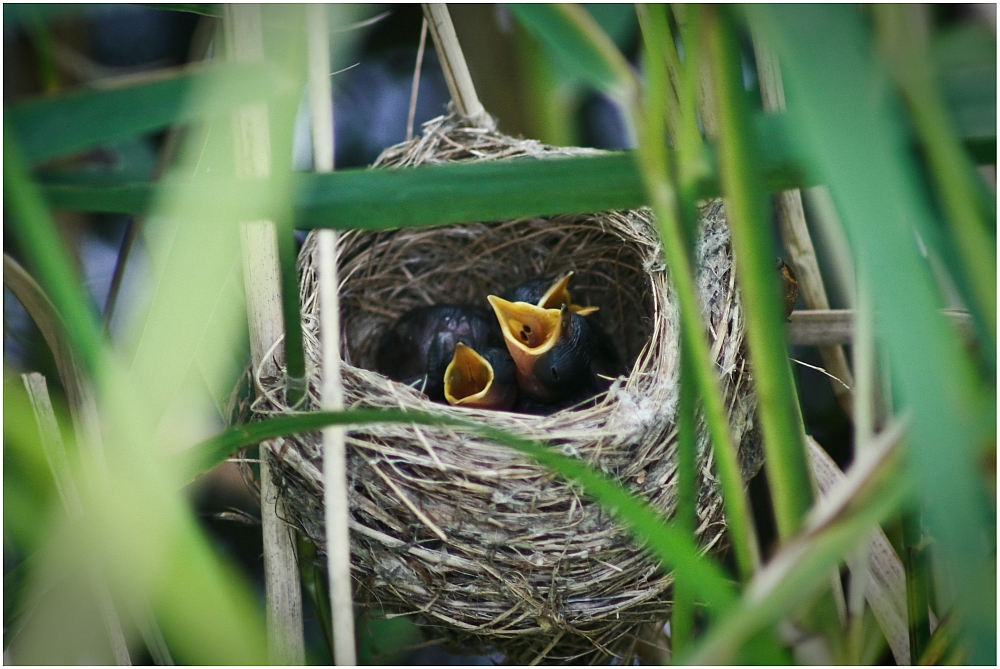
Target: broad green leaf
x=971, y=223
x=428, y=195
x=49, y=127
x=455, y=193
x=96, y=196
x=578, y=41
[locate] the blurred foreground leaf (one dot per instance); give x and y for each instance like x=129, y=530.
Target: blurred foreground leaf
x=578, y=41
x=50, y=127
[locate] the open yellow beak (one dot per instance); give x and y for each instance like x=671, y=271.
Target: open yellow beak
x=529, y=332
x=558, y=295
x=468, y=380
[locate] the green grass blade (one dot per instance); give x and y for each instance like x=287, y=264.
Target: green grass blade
x=672, y=546
x=579, y=42
x=49, y=127
x=954, y=175
x=746, y=206
x=456, y=193
x=365, y=198
x=849, y=120
x=915, y=561
x=429, y=195
x=682, y=612
x=801, y=569
x=225, y=199
x=125, y=198
x=652, y=156
x=205, y=612
x=47, y=256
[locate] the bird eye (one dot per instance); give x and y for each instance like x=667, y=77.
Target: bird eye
x=555, y=374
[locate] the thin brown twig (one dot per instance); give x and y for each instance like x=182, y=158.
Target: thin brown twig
x=415, y=87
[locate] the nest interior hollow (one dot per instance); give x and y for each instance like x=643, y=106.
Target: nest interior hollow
x=486, y=549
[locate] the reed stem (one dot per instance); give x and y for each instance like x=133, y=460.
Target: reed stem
x=244, y=32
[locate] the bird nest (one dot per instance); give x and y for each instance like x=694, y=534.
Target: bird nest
x=486, y=549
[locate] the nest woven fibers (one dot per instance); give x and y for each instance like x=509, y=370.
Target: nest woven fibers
x=487, y=550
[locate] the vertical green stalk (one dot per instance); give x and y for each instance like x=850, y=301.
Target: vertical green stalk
x=282, y=112
x=692, y=157
x=316, y=589
x=864, y=432
x=550, y=102
x=781, y=422
x=915, y=563
x=689, y=148
x=955, y=179
x=685, y=518
x=295, y=362
x=46, y=254
x=654, y=166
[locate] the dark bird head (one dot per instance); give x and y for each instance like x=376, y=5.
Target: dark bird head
x=547, y=294
x=550, y=348
x=418, y=347
x=486, y=381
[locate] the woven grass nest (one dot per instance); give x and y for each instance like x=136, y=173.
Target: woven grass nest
x=528, y=565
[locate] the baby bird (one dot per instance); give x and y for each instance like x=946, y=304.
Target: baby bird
x=419, y=347
x=547, y=294
x=555, y=351
x=484, y=381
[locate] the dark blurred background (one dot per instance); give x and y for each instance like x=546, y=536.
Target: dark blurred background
x=69, y=48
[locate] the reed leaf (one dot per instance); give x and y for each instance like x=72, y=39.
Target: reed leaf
x=205, y=610
x=781, y=422
x=580, y=44
x=42, y=246
x=954, y=175
x=50, y=127
x=653, y=157
x=431, y=195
